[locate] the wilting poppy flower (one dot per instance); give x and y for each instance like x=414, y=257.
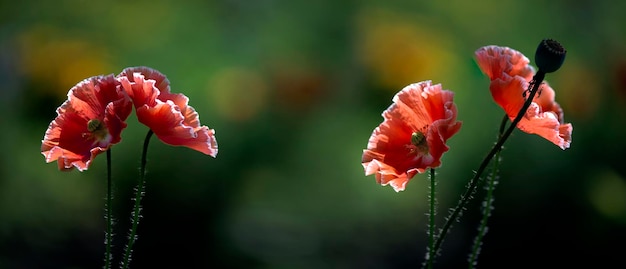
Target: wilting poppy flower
x=510, y=75
x=167, y=114
x=413, y=134
x=87, y=123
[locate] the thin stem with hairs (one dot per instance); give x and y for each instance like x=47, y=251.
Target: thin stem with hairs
x=467, y=195
x=108, y=215
x=431, y=225
x=488, y=202
x=139, y=193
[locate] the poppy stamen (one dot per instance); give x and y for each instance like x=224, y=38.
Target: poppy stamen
x=96, y=129
x=94, y=125
x=418, y=143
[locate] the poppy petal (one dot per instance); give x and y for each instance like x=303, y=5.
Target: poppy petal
x=508, y=92
x=160, y=80
x=510, y=76
x=141, y=91
x=495, y=61
x=393, y=153
x=166, y=121
x=68, y=139
x=546, y=125
x=167, y=114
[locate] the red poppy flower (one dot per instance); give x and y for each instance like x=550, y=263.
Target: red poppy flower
x=167, y=114
x=510, y=76
x=87, y=123
x=412, y=136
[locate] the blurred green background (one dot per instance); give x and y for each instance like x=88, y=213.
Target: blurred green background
x=294, y=90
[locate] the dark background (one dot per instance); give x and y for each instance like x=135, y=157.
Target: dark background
x=294, y=90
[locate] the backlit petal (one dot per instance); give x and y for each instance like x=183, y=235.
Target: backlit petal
x=68, y=140
x=510, y=76
x=508, y=92
x=160, y=81
x=546, y=125
x=418, y=108
x=167, y=114
x=167, y=124
x=495, y=61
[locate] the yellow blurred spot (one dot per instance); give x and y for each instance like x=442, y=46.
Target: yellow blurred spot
x=608, y=195
x=237, y=93
x=399, y=51
x=48, y=58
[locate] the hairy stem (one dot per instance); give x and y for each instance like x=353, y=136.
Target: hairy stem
x=431, y=225
x=109, y=219
x=139, y=193
x=487, y=204
x=467, y=195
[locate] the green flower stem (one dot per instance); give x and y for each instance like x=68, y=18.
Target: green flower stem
x=535, y=83
x=482, y=229
x=139, y=193
x=109, y=219
x=431, y=225
x=505, y=119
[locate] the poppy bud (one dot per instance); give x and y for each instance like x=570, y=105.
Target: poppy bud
x=549, y=56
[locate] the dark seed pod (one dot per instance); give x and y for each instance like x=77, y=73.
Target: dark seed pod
x=550, y=55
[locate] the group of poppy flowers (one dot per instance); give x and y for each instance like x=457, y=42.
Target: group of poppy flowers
x=413, y=134
x=411, y=139
x=92, y=118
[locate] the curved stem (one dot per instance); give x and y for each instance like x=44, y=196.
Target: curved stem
x=109, y=219
x=431, y=225
x=487, y=206
x=535, y=83
x=139, y=193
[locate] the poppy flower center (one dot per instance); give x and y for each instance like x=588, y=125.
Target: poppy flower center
x=97, y=129
x=418, y=143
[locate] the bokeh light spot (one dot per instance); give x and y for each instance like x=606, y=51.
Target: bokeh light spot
x=399, y=51
x=608, y=195
x=238, y=93
x=49, y=57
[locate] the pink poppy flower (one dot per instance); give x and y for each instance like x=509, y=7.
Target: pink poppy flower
x=87, y=123
x=412, y=136
x=510, y=75
x=167, y=114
